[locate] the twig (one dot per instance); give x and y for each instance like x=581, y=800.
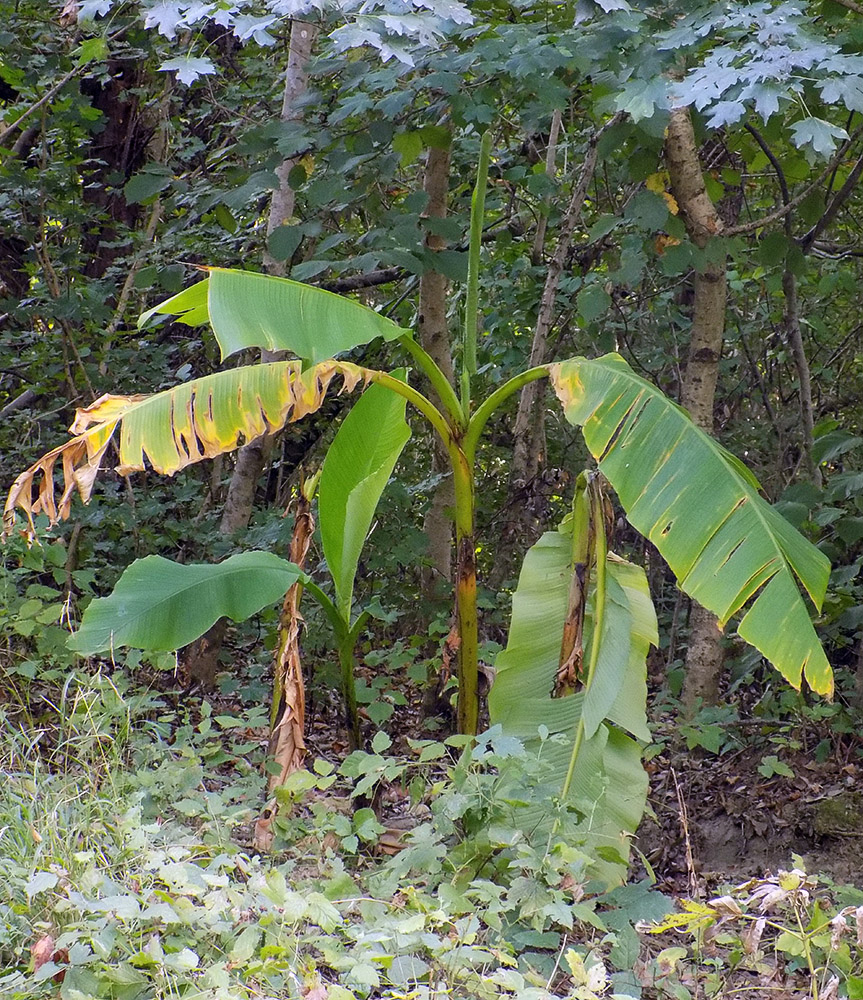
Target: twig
x=551, y=153
x=851, y=5
x=18, y=403
x=780, y=213
x=694, y=888
x=836, y=202
x=46, y=97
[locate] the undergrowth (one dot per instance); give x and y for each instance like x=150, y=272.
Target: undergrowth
x=128, y=871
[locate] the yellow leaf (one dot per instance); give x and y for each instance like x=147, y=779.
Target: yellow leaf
x=169, y=430
x=671, y=201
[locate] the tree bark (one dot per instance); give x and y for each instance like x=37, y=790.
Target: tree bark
x=202, y=656
x=434, y=339
x=705, y=654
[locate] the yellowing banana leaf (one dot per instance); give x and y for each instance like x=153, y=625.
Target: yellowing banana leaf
x=158, y=604
x=175, y=428
x=609, y=785
x=356, y=469
x=248, y=309
x=701, y=508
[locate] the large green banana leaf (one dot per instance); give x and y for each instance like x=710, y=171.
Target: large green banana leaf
x=158, y=604
x=609, y=785
x=175, y=428
x=248, y=309
x=701, y=508
x=356, y=469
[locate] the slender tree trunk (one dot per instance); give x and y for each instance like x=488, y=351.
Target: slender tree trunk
x=434, y=339
x=520, y=529
x=202, y=656
x=704, y=657
x=794, y=336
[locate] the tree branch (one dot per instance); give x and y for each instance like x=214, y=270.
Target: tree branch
x=832, y=209
x=851, y=5
x=780, y=213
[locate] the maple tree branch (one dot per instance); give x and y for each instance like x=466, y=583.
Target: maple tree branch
x=836, y=203
x=777, y=166
x=780, y=213
x=851, y=5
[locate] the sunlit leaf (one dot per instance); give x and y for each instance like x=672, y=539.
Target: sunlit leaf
x=358, y=466
x=247, y=309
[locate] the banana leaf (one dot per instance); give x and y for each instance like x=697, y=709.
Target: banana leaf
x=701, y=507
x=175, y=428
x=248, y=309
x=356, y=470
x=158, y=604
x=609, y=785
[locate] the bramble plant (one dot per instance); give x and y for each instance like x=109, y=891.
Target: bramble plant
x=582, y=618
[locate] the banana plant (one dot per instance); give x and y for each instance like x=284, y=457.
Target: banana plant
x=574, y=668
x=161, y=605
x=698, y=504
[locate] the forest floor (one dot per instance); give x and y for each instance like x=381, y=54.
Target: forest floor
x=736, y=799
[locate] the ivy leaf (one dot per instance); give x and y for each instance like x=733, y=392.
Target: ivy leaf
x=188, y=68
x=818, y=135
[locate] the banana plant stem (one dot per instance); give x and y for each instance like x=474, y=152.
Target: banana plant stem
x=466, y=608
x=422, y=403
x=489, y=405
x=599, y=595
x=439, y=381
x=346, y=640
x=349, y=691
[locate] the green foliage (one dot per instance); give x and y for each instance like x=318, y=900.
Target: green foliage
x=608, y=784
x=723, y=542
x=142, y=894
x=162, y=605
x=246, y=309
x=356, y=469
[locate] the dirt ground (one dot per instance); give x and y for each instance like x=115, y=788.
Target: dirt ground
x=717, y=816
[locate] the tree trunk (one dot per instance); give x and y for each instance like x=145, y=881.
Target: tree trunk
x=520, y=529
x=705, y=654
x=794, y=336
x=202, y=656
x=119, y=149
x=434, y=339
